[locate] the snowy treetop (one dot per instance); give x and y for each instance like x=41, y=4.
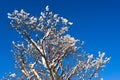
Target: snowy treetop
x=46, y=47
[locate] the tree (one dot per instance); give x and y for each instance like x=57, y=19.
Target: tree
x=47, y=52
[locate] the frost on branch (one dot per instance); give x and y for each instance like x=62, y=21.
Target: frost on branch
x=48, y=53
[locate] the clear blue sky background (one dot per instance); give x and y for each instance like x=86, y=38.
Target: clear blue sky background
x=97, y=22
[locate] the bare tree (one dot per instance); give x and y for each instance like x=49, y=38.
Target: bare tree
x=48, y=53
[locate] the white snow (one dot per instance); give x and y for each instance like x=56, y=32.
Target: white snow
x=12, y=75
x=47, y=8
x=43, y=62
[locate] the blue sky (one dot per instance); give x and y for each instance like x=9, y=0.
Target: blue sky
x=97, y=22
